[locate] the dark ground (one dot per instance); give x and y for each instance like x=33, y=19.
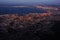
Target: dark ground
x=39, y=31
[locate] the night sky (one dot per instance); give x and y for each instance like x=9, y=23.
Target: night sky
x=29, y=1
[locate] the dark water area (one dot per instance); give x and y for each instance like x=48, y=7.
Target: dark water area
x=20, y=11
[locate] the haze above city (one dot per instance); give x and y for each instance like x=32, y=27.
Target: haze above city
x=18, y=2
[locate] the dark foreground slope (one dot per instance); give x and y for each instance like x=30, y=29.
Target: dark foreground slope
x=28, y=27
